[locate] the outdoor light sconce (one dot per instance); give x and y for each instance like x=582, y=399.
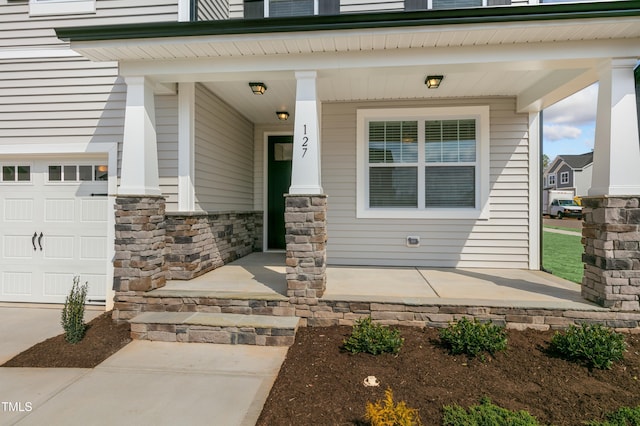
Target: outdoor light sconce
x=258, y=88
x=433, y=81
x=282, y=115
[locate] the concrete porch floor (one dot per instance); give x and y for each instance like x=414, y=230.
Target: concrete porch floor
x=264, y=273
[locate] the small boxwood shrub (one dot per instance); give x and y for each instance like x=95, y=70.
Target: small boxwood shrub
x=373, y=338
x=388, y=413
x=486, y=414
x=473, y=338
x=625, y=416
x=72, y=318
x=591, y=344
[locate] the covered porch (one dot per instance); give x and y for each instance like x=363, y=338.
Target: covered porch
x=400, y=295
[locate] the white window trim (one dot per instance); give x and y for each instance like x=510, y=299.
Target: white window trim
x=480, y=113
x=550, y=178
x=564, y=175
x=61, y=7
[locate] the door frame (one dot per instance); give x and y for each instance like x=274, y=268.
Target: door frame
x=110, y=149
x=265, y=186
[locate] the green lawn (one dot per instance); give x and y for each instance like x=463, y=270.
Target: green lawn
x=562, y=256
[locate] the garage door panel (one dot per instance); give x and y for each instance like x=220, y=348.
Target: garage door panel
x=58, y=247
x=57, y=284
x=97, y=285
x=17, y=283
x=17, y=247
x=59, y=210
x=18, y=210
x=93, y=210
x=93, y=248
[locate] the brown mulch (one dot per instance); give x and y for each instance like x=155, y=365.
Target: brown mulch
x=102, y=339
x=319, y=384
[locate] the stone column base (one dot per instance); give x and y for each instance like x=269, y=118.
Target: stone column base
x=139, y=252
x=611, y=238
x=306, y=238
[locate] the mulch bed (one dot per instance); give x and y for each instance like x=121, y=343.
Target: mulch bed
x=319, y=384
x=102, y=339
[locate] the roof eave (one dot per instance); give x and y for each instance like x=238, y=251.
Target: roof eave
x=483, y=15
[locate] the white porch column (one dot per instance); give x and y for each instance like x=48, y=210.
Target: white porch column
x=186, y=147
x=139, y=173
x=305, y=173
x=616, y=157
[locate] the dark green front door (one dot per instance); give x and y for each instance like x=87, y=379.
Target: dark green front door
x=279, y=176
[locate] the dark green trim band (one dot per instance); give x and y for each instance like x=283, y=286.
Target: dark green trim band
x=547, y=12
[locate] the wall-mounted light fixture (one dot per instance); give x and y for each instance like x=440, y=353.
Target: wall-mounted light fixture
x=258, y=88
x=282, y=115
x=433, y=81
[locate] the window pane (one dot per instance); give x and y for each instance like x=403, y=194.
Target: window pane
x=456, y=4
x=393, y=142
x=102, y=172
x=450, y=141
x=290, y=7
x=55, y=173
x=86, y=173
x=253, y=9
x=70, y=173
x=450, y=186
x=8, y=173
x=24, y=173
x=393, y=187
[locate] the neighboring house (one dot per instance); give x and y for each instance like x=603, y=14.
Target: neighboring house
x=415, y=120
x=570, y=172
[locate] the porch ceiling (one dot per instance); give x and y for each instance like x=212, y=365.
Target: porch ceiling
x=537, y=61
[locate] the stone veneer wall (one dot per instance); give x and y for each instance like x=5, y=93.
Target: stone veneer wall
x=139, y=252
x=200, y=242
x=306, y=238
x=325, y=313
x=611, y=237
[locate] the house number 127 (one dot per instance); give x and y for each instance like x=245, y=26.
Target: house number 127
x=305, y=142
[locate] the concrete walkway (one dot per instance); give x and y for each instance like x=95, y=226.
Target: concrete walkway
x=155, y=383
x=562, y=231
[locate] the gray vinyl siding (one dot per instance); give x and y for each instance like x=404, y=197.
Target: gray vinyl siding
x=48, y=94
x=209, y=10
x=564, y=169
x=354, y=6
x=502, y=241
x=167, y=134
x=236, y=9
x=223, y=155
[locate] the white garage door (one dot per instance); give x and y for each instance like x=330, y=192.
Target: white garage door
x=53, y=226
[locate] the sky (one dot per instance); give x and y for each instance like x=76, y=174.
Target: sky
x=569, y=125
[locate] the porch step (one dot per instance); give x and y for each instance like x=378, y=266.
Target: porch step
x=203, y=327
x=217, y=301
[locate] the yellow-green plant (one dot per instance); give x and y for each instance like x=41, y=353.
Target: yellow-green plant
x=73, y=312
x=388, y=413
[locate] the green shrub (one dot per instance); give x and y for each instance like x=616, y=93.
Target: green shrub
x=73, y=312
x=373, y=338
x=473, y=338
x=388, y=413
x=594, y=345
x=625, y=416
x=486, y=414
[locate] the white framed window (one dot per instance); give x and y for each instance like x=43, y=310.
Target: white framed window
x=61, y=7
x=61, y=173
x=423, y=163
x=15, y=173
x=282, y=8
x=551, y=179
x=564, y=177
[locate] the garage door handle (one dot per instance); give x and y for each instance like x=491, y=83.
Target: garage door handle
x=33, y=240
x=40, y=241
